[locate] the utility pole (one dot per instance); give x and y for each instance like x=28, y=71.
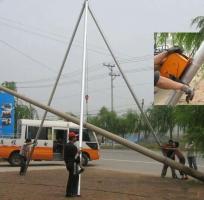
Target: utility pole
x=113, y=76
x=87, y=113
x=139, y=134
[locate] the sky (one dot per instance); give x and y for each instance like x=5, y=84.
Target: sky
x=34, y=35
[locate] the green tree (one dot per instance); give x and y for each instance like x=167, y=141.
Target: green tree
x=190, y=41
x=162, y=119
x=105, y=119
x=126, y=123
x=10, y=85
x=192, y=118
x=199, y=23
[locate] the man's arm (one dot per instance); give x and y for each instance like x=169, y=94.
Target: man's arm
x=166, y=83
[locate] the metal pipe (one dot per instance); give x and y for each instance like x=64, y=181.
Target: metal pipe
x=125, y=79
x=55, y=85
x=196, y=174
x=197, y=62
x=83, y=88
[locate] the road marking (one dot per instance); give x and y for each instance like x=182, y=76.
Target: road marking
x=131, y=161
x=138, y=161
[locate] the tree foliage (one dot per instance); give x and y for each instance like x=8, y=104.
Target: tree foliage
x=110, y=121
x=189, y=41
x=199, y=23
x=162, y=119
x=10, y=85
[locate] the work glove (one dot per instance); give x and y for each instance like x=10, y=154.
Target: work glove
x=189, y=93
x=174, y=49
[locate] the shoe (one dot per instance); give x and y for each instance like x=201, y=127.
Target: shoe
x=175, y=177
x=69, y=195
x=162, y=176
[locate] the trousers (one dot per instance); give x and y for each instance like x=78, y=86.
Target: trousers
x=73, y=179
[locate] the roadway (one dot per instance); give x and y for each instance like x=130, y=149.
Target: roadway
x=116, y=160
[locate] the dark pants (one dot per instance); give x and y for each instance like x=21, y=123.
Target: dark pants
x=23, y=165
x=165, y=167
x=182, y=161
x=73, y=179
x=192, y=162
x=164, y=170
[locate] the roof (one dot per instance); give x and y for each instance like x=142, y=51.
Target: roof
x=49, y=123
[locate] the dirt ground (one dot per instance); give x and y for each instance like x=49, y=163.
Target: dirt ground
x=97, y=184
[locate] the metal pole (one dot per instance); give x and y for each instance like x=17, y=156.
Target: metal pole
x=160, y=158
x=55, y=85
x=111, y=89
x=197, y=62
x=113, y=76
x=125, y=79
x=83, y=88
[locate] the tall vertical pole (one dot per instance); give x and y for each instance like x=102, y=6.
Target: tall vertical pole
x=83, y=88
x=111, y=88
x=55, y=85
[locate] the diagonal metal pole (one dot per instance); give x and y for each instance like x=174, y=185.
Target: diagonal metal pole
x=112, y=136
x=55, y=85
x=125, y=79
x=82, y=88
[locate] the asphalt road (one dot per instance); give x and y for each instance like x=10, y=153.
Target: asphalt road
x=131, y=161
x=117, y=160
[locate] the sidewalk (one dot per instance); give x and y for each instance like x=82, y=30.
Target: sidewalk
x=97, y=184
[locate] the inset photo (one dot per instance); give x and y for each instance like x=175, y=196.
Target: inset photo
x=178, y=68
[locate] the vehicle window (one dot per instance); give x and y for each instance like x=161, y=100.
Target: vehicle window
x=91, y=136
x=46, y=133
x=86, y=135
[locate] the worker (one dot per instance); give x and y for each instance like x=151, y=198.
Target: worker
x=191, y=155
x=24, y=155
x=168, y=151
x=71, y=158
x=181, y=159
x=166, y=83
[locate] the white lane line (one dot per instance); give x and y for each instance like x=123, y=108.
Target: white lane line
x=131, y=161
x=138, y=161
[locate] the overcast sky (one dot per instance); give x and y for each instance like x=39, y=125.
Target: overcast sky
x=34, y=35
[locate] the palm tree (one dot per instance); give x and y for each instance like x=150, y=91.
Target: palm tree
x=199, y=22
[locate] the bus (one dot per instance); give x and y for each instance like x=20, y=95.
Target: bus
x=51, y=141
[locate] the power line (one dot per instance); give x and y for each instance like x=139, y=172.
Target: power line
x=27, y=56
x=64, y=40
x=42, y=64
x=64, y=97
x=43, y=34
x=91, y=78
